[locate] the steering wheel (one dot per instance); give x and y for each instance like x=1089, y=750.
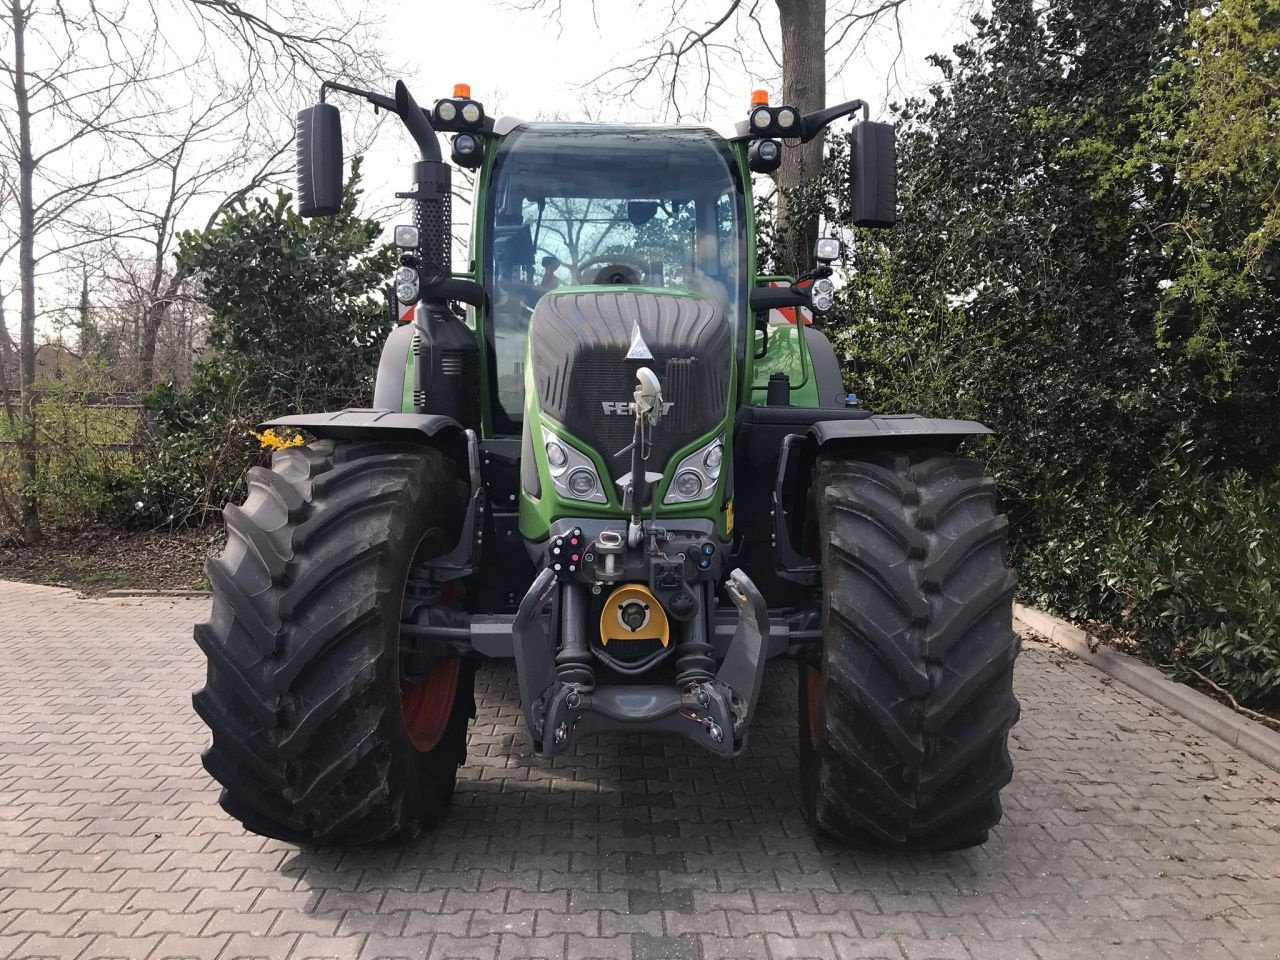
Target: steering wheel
x=617, y=268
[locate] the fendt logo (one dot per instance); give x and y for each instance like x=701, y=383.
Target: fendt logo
x=627, y=408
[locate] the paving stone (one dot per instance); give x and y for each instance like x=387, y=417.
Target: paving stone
x=684, y=947
x=1128, y=833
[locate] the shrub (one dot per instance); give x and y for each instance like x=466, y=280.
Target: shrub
x=80, y=434
x=297, y=324
x=1195, y=577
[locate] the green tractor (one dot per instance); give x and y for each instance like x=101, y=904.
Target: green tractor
x=604, y=451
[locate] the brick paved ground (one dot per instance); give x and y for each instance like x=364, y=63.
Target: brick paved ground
x=1129, y=833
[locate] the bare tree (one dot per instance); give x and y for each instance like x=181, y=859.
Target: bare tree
x=115, y=140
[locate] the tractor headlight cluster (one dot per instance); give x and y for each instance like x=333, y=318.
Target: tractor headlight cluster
x=696, y=474
x=822, y=295
x=572, y=472
x=406, y=280
x=767, y=121
x=458, y=112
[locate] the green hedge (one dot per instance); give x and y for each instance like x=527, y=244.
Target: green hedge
x=1196, y=577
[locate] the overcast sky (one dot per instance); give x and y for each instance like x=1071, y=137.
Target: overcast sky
x=533, y=65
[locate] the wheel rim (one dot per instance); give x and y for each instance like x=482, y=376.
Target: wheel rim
x=426, y=707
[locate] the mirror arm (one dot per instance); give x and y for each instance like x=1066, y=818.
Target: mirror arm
x=414, y=117
x=377, y=99
x=812, y=124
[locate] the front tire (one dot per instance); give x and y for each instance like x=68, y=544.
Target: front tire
x=317, y=738
x=904, y=722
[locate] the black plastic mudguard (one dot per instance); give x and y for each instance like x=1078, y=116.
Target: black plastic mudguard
x=795, y=472
x=895, y=426
x=362, y=423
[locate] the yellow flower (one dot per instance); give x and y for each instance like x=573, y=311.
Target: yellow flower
x=275, y=441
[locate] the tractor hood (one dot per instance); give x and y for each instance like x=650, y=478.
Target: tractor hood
x=587, y=344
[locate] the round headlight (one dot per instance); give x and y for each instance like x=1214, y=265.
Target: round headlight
x=446, y=110
x=767, y=150
x=822, y=295
x=406, y=275
x=688, y=484
x=582, y=483
x=787, y=118
x=761, y=118
x=712, y=461
x=464, y=144
x=471, y=112
x=406, y=292
x=557, y=457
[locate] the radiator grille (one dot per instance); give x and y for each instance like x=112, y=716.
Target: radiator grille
x=580, y=342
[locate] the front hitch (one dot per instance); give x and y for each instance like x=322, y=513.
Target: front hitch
x=715, y=713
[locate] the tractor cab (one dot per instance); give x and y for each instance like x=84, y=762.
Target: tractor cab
x=573, y=207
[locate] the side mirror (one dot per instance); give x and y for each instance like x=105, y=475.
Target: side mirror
x=319, y=160
x=873, y=175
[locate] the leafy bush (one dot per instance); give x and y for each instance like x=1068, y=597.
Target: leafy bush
x=297, y=324
x=1197, y=577
x=1088, y=261
x=193, y=457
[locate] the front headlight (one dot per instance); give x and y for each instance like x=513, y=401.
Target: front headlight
x=696, y=474
x=572, y=472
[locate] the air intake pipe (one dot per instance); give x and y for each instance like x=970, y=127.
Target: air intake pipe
x=447, y=367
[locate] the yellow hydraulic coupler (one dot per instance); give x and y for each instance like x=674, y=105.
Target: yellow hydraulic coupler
x=633, y=613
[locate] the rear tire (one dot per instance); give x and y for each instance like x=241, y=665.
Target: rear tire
x=904, y=723
x=303, y=694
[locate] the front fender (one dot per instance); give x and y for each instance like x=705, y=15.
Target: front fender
x=359, y=423
x=895, y=426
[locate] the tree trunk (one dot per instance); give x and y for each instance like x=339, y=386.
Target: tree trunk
x=804, y=86
x=27, y=451
x=152, y=319
x=8, y=351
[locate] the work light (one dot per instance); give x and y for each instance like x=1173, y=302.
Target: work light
x=827, y=249
x=406, y=236
x=468, y=150
x=764, y=156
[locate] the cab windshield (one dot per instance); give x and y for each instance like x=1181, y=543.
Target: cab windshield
x=571, y=205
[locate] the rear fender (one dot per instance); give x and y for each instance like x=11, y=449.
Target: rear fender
x=794, y=479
